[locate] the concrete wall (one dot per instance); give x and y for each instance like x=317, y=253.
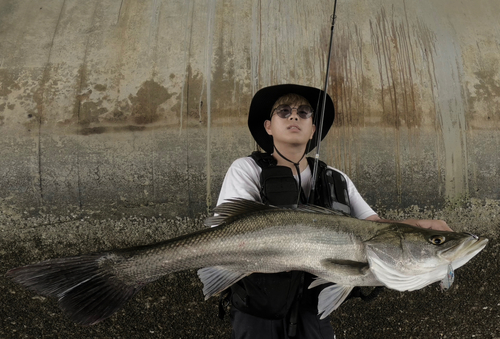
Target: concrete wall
x=112, y=101
x=137, y=108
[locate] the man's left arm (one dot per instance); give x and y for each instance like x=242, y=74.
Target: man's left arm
x=362, y=210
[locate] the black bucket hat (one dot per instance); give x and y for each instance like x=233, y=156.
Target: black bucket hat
x=262, y=104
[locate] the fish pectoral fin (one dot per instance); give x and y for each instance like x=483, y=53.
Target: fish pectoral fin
x=216, y=279
x=318, y=282
x=331, y=298
x=345, y=267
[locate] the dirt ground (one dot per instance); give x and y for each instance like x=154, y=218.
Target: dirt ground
x=174, y=307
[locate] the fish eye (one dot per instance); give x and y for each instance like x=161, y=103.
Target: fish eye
x=437, y=239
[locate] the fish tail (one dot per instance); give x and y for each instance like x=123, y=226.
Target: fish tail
x=87, y=288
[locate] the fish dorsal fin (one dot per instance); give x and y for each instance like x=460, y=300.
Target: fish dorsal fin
x=235, y=208
x=331, y=297
x=216, y=279
x=321, y=210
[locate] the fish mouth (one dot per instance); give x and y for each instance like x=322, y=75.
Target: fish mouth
x=461, y=254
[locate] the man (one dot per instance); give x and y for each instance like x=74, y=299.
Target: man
x=281, y=120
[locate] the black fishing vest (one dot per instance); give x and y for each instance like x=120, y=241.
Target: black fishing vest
x=271, y=296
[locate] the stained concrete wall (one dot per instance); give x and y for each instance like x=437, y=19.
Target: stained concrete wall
x=106, y=102
x=115, y=109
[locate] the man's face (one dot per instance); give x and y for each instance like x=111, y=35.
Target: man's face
x=290, y=131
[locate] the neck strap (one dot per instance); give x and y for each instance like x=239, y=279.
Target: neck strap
x=296, y=164
x=297, y=168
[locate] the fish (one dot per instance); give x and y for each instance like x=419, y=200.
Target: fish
x=252, y=237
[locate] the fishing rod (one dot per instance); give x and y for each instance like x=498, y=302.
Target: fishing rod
x=322, y=114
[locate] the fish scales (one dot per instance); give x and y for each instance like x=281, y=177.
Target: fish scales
x=294, y=241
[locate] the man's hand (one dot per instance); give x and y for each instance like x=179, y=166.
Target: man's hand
x=439, y=225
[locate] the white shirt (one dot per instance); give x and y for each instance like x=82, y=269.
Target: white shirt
x=242, y=180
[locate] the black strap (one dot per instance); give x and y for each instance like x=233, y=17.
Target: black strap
x=224, y=302
x=294, y=313
x=335, y=194
x=264, y=160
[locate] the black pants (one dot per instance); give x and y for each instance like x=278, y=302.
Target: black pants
x=246, y=326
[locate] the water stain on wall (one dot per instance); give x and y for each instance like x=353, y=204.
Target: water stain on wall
x=349, y=81
x=147, y=101
x=195, y=97
x=100, y=88
x=8, y=83
x=394, y=48
x=140, y=109
x=488, y=87
x=482, y=113
x=395, y=98
x=113, y=129
x=384, y=77
x=90, y=112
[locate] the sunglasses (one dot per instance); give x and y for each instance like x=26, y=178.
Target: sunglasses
x=285, y=111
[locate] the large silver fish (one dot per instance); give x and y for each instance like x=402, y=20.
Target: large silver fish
x=252, y=237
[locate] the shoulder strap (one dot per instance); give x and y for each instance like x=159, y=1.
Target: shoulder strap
x=331, y=189
x=264, y=160
x=319, y=190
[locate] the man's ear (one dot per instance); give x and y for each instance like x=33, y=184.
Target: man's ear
x=313, y=130
x=267, y=126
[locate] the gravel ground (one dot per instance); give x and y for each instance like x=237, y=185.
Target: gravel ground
x=174, y=307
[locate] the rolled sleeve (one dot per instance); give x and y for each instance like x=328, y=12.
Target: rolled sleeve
x=241, y=181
